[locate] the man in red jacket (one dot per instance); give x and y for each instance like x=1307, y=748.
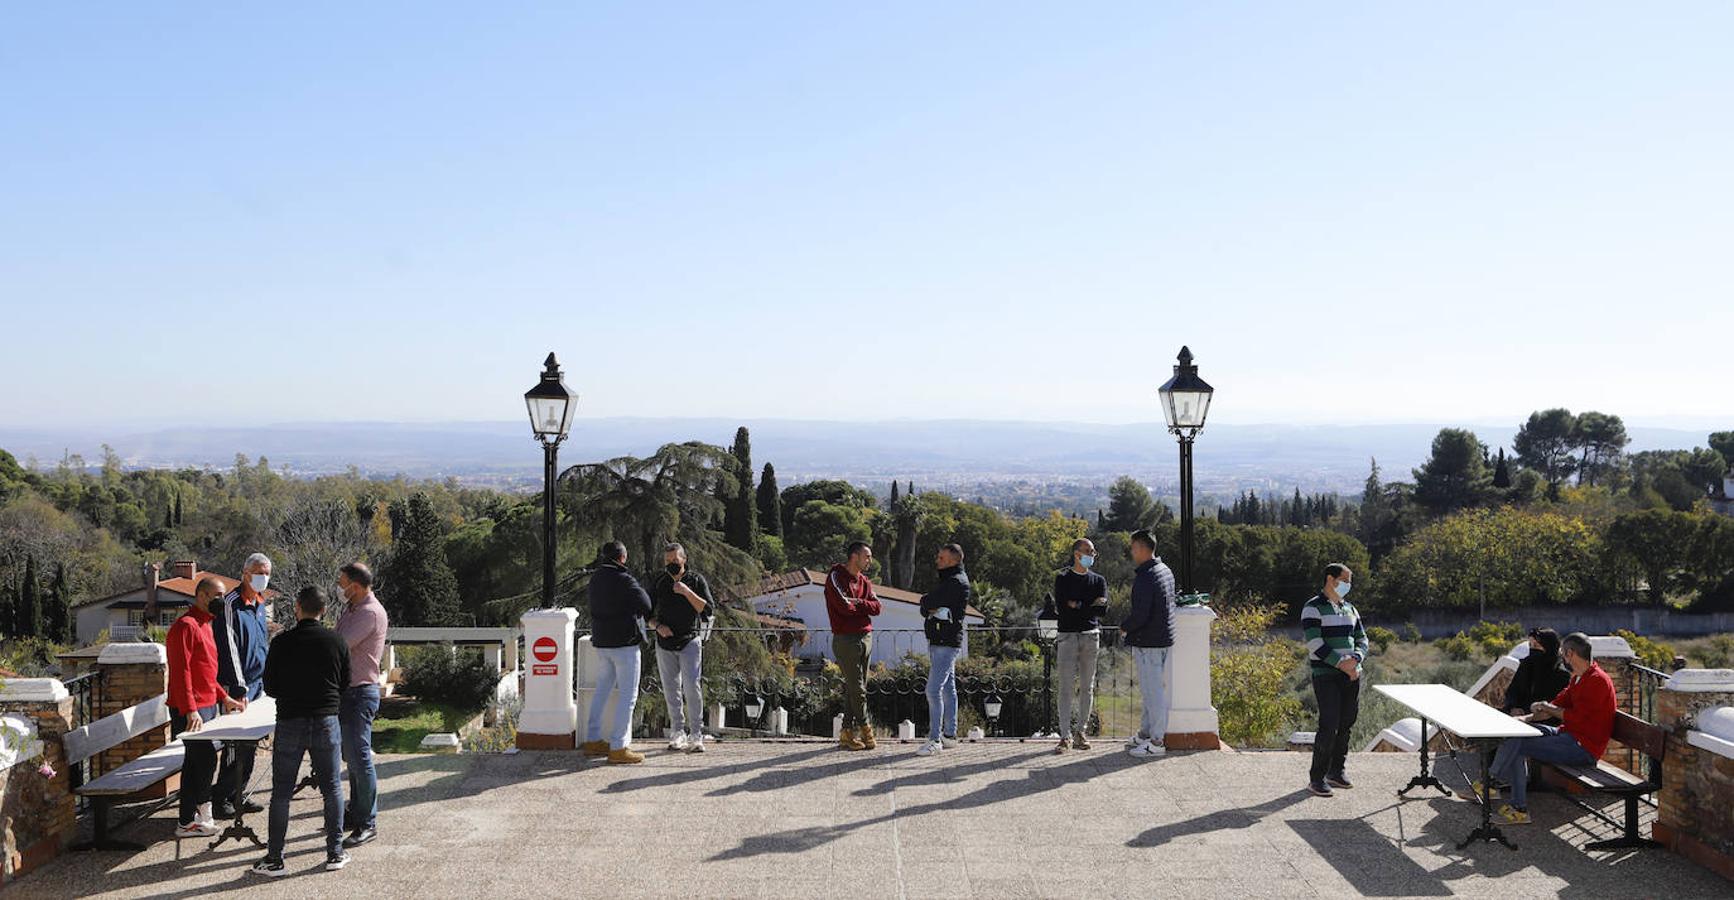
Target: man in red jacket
x=1586, y=713
x=194, y=699
x=851, y=604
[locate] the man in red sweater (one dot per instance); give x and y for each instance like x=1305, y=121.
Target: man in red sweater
x=194, y=699
x=1586, y=713
x=851, y=605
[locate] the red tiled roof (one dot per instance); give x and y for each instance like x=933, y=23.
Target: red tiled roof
x=181, y=586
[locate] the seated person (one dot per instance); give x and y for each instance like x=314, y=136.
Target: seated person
x=1585, y=709
x=1540, y=676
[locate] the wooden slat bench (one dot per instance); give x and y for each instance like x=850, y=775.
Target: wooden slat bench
x=147, y=771
x=1608, y=779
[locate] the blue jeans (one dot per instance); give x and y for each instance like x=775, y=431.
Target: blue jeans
x=680, y=671
x=942, y=692
x=1554, y=746
x=317, y=737
x=618, y=675
x=356, y=709
x=1153, y=686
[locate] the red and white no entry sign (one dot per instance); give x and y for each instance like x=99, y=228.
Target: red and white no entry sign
x=544, y=649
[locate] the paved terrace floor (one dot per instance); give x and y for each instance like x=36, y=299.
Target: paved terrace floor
x=998, y=820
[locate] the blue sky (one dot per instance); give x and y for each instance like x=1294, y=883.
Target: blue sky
x=1359, y=212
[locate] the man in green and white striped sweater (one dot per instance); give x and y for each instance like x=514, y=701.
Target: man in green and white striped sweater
x=1336, y=646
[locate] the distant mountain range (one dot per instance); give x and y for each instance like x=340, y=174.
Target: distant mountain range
x=935, y=453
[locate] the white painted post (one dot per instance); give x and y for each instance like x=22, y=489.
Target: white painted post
x=906, y=730
x=493, y=655
x=1192, y=721
x=779, y=721
x=717, y=715
x=837, y=727
x=550, y=717
x=512, y=653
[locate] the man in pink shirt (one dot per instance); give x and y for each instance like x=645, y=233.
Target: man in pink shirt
x=361, y=626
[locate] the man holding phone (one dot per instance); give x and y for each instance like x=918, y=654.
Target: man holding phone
x=680, y=615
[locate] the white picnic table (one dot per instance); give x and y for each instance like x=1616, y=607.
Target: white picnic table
x=251, y=725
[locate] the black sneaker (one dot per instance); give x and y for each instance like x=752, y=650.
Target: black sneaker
x=1319, y=789
x=337, y=860
x=268, y=867
x=360, y=836
x=1341, y=782
x=252, y=806
x=221, y=811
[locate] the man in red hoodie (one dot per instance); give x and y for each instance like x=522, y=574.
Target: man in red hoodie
x=194, y=699
x=851, y=604
x=1586, y=713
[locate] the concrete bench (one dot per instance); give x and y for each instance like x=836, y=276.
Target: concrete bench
x=1608, y=779
x=147, y=771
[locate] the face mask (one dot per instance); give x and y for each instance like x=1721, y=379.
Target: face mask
x=1343, y=588
x=1086, y=560
x=258, y=582
x=673, y=569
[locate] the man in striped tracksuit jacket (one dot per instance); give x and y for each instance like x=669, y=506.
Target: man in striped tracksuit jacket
x=1336, y=646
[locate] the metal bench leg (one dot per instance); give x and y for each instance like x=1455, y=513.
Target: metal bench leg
x=100, y=839
x=1632, y=838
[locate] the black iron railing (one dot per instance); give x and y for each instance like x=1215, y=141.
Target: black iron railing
x=86, y=691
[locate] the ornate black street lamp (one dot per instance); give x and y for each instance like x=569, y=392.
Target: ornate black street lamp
x=551, y=404
x=992, y=707
x=755, y=711
x=1185, y=401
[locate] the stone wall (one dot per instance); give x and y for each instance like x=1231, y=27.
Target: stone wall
x=1697, y=784
x=38, y=816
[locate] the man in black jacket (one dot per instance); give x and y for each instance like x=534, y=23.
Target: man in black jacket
x=306, y=671
x=944, y=607
x=682, y=609
x=1540, y=676
x=1080, y=597
x=617, y=607
x=1149, y=631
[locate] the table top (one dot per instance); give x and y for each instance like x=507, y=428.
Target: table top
x=1455, y=711
x=254, y=723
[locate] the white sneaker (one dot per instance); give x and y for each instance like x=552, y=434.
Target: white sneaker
x=930, y=748
x=680, y=744
x=1134, y=741
x=196, y=829
x=1147, y=750
x=949, y=743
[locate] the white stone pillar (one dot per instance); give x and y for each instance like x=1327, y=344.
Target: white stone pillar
x=512, y=653
x=718, y=715
x=550, y=717
x=779, y=721
x=494, y=655
x=1192, y=723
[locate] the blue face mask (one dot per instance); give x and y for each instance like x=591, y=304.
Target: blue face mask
x=1343, y=588
x=1086, y=560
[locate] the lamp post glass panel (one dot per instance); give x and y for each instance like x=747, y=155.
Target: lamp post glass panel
x=755, y=709
x=992, y=707
x=550, y=404
x=1185, y=402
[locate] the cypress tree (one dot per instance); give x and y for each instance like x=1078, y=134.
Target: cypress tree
x=177, y=508
x=418, y=587
x=29, y=602
x=893, y=502
x=770, y=501
x=740, y=516
x=1502, y=472
x=59, y=611
x=8, y=609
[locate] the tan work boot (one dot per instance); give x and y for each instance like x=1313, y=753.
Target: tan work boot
x=848, y=741
x=868, y=740
x=624, y=757
x=1079, y=742
x=594, y=748
x=1064, y=744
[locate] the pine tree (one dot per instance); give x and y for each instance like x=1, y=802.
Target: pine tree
x=740, y=516
x=770, y=501
x=29, y=601
x=59, y=611
x=417, y=585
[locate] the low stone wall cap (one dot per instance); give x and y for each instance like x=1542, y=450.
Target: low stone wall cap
x=132, y=652
x=30, y=690
x=1611, y=646
x=1702, y=681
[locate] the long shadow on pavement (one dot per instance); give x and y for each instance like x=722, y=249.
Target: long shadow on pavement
x=1219, y=820
x=685, y=776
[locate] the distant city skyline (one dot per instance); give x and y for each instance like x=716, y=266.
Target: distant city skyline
x=1369, y=214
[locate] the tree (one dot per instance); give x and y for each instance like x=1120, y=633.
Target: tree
x=1503, y=558
x=416, y=584
x=1545, y=444
x=1602, y=438
x=770, y=503
x=8, y=609
x=821, y=530
x=29, y=602
x=1657, y=541
x=1455, y=476
x=1723, y=443
x=177, y=508
x=907, y=514
x=1501, y=472
x=837, y=493
x=57, y=613
x=1129, y=505
x=740, y=519
x=892, y=503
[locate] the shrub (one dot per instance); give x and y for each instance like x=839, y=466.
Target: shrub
x=1248, y=675
x=1411, y=634
x=460, y=679
x=1652, y=653
x=1483, y=641
x=1381, y=638
x=1715, y=652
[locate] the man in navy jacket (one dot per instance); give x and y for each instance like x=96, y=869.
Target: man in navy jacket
x=240, y=627
x=1149, y=631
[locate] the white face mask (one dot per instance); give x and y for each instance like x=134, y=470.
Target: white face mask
x=258, y=582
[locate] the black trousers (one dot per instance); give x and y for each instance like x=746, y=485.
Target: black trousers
x=235, y=773
x=1339, y=706
x=200, y=765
